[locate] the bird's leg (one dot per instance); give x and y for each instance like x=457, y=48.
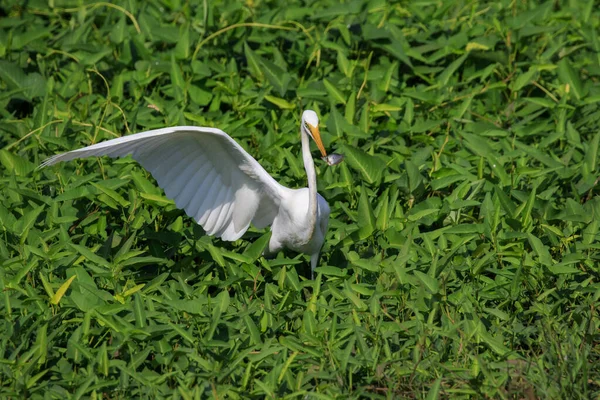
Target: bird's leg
x=314, y=260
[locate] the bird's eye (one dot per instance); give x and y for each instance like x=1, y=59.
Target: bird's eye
x=306, y=127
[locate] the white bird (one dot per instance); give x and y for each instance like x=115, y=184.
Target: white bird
x=223, y=188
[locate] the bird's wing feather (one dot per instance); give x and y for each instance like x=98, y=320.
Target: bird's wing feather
x=206, y=172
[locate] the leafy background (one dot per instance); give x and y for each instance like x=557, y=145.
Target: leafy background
x=462, y=256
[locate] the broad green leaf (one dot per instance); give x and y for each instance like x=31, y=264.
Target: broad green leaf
x=430, y=283
x=25, y=223
x=445, y=76
x=542, y=251
x=117, y=34
x=19, y=41
x=155, y=283
x=182, y=48
x=61, y=291
x=15, y=163
x=12, y=75
x=133, y=290
x=479, y=147
x=34, y=379
x=335, y=123
x=223, y=301
x=41, y=342
x=354, y=299
x=89, y=255
x=370, y=167
x=277, y=77
x=254, y=63
x=177, y=80
x=252, y=330
x=182, y=332
x=417, y=215
x=383, y=211
x=563, y=269
x=386, y=83
x=199, y=96
x=350, y=110
x=385, y=108
x=111, y=193
x=523, y=79
x=139, y=311
x=158, y=199
x=281, y=103
x=256, y=248
x=366, y=219
x=494, y=343
x=414, y=176
x=434, y=391
x=331, y=271
x=335, y=94
x=343, y=64
x=568, y=75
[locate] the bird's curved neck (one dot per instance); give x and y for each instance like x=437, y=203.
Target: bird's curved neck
x=309, y=167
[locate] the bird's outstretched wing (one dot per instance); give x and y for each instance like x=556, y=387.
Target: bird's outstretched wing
x=204, y=171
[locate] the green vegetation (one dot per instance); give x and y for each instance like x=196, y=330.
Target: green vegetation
x=462, y=259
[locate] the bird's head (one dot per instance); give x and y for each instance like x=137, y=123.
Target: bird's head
x=310, y=126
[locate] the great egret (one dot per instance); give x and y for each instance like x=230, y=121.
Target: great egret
x=223, y=188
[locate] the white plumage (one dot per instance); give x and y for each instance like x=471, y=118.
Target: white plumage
x=222, y=187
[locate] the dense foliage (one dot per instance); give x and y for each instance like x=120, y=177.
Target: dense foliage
x=462, y=258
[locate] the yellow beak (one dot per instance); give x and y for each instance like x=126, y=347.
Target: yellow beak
x=317, y=137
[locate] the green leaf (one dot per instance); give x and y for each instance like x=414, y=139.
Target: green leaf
x=182, y=48
x=385, y=108
x=430, y=283
x=277, y=76
x=16, y=164
x=370, y=167
x=434, y=391
x=568, y=75
x=331, y=271
x=523, y=79
x=383, y=211
x=343, y=64
x=117, y=34
x=366, y=219
x=182, y=332
x=445, y=76
x=354, y=299
x=256, y=248
x=252, y=330
x=541, y=250
x=90, y=256
x=111, y=193
x=481, y=148
x=177, y=81
x=158, y=199
x=254, y=63
x=281, y=103
x=335, y=94
x=199, y=96
x=223, y=301
x=61, y=291
x=139, y=311
x=12, y=75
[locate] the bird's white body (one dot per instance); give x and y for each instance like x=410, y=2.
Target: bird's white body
x=222, y=187
x=290, y=228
